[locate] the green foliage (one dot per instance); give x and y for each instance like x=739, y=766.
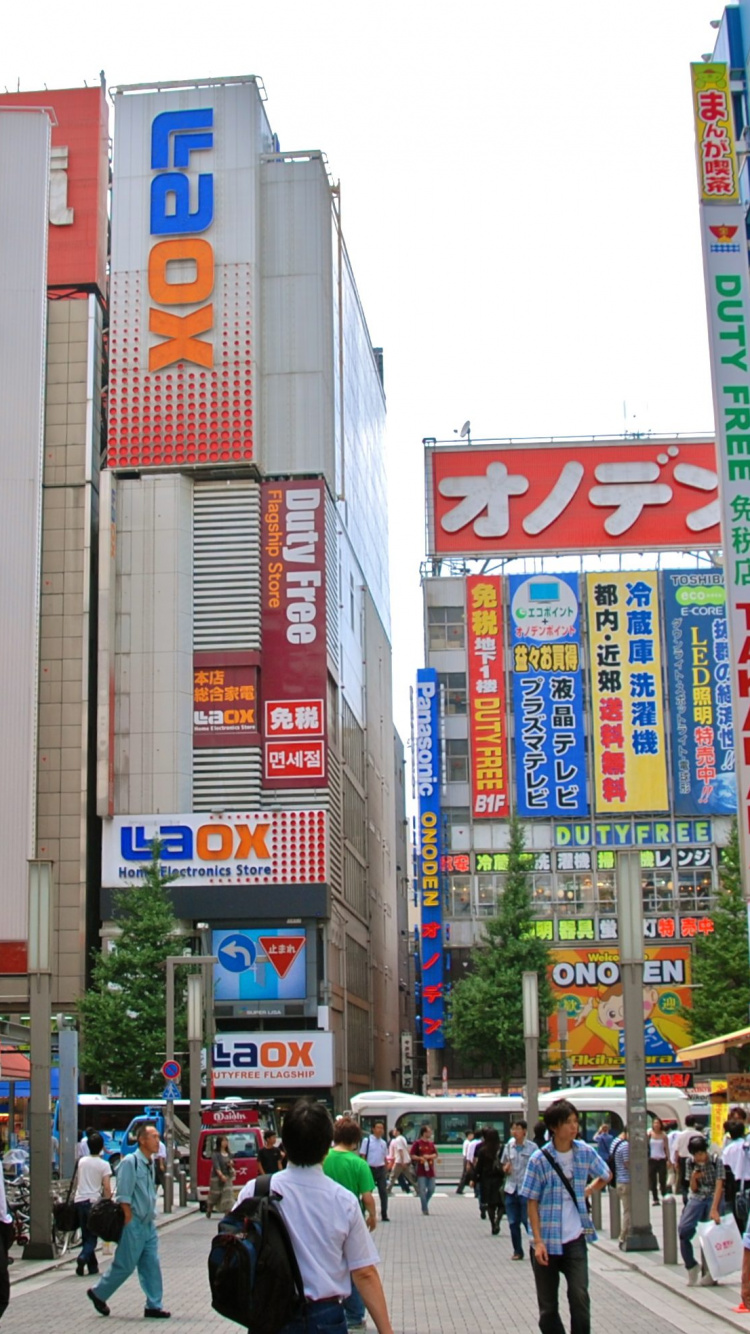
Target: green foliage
x=485, y=1020
x=123, y=1015
x=721, y=973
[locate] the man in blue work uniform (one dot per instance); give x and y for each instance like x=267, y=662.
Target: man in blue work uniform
x=138, y=1247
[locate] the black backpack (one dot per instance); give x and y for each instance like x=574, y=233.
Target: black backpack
x=252, y=1269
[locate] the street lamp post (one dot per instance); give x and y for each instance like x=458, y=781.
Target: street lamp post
x=195, y=1039
x=531, y=1039
x=173, y=961
x=630, y=922
x=39, y=1245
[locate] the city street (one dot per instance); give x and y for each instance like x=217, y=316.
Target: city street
x=443, y=1275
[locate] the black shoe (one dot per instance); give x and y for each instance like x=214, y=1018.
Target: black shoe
x=101, y=1306
x=482, y=1213
x=156, y=1313
x=385, y=1220
x=93, y=1269
x=80, y=1271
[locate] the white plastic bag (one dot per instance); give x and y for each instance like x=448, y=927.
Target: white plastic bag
x=721, y=1244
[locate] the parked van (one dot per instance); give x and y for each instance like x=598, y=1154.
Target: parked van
x=242, y=1124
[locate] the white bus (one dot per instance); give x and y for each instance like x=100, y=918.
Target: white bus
x=450, y=1117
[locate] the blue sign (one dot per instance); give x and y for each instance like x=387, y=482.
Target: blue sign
x=171, y=1093
x=548, y=696
x=700, y=693
x=429, y=883
x=260, y=964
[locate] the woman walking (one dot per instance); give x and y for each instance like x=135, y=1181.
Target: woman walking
x=424, y=1154
x=220, y=1192
x=658, y=1153
x=489, y=1174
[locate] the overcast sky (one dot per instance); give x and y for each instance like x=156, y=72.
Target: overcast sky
x=518, y=192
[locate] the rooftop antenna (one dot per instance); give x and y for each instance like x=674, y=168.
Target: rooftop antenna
x=465, y=432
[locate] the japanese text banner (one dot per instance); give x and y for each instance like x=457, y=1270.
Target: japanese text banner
x=626, y=692
x=700, y=693
x=486, y=683
x=714, y=135
x=429, y=882
x=550, y=744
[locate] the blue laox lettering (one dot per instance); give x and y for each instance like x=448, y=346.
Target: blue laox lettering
x=176, y=841
x=242, y=1056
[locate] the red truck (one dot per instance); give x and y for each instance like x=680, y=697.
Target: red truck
x=242, y=1124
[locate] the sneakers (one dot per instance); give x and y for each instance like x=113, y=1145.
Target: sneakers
x=706, y=1281
x=517, y=1255
x=156, y=1313
x=693, y=1276
x=101, y=1306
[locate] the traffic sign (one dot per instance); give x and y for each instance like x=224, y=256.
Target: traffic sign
x=237, y=953
x=171, y=1093
x=171, y=1071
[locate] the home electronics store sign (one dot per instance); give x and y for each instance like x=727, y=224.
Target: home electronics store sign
x=288, y=1060
x=235, y=848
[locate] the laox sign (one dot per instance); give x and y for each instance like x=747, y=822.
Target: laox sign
x=213, y=842
x=274, y=1054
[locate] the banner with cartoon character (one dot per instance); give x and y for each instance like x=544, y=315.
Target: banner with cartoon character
x=587, y=982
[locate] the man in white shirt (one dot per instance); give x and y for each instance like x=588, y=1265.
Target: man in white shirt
x=468, y=1149
x=326, y=1227
x=402, y=1170
x=6, y=1237
x=681, y=1153
x=93, y=1180
x=374, y=1150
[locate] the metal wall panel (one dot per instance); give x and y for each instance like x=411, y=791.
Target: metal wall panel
x=24, y=175
x=226, y=569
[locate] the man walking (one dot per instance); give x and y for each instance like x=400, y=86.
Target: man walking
x=559, y=1179
x=622, y=1180
x=516, y=1156
x=705, y=1183
x=468, y=1149
x=374, y=1150
x=138, y=1246
x=344, y=1164
x=401, y=1171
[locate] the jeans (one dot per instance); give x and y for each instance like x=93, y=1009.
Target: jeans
x=138, y=1248
x=623, y=1191
x=321, y=1318
x=573, y=1263
x=696, y=1211
x=381, y=1181
x=516, y=1208
x=354, y=1307
x=87, y=1253
x=425, y=1191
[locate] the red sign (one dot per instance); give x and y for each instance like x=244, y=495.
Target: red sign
x=79, y=182
x=486, y=681
x=225, y=700
x=294, y=672
x=282, y=951
x=630, y=495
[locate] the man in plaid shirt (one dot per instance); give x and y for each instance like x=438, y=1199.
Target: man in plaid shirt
x=705, y=1177
x=559, y=1222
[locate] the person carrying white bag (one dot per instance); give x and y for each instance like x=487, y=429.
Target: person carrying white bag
x=721, y=1244
x=705, y=1176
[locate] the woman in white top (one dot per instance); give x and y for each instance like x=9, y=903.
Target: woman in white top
x=658, y=1153
x=93, y=1180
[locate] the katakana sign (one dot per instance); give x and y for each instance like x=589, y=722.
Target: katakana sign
x=700, y=692
x=550, y=498
x=630, y=769
x=486, y=682
x=225, y=700
x=429, y=874
x=714, y=133
x=550, y=745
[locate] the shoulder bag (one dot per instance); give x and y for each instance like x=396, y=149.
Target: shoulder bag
x=566, y=1182
x=64, y=1211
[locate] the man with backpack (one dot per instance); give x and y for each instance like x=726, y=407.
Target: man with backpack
x=325, y=1225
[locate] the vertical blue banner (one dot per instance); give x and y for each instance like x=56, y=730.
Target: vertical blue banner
x=428, y=866
x=550, y=744
x=697, y=652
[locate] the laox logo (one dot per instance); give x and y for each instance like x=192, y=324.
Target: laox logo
x=213, y=842
x=271, y=1055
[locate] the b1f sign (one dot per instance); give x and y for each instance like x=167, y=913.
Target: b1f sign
x=280, y=1060
x=183, y=255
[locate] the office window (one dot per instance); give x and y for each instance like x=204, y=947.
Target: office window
x=459, y=896
x=455, y=691
x=457, y=757
x=445, y=627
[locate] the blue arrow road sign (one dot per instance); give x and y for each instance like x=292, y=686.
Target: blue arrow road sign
x=237, y=953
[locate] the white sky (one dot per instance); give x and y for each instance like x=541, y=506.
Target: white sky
x=519, y=200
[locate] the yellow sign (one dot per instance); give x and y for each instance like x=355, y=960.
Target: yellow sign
x=714, y=134
x=626, y=693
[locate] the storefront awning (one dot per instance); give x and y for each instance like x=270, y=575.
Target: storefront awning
x=700, y=1051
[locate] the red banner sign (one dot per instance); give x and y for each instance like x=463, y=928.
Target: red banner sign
x=486, y=702
x=225, y=700
x=294, y=672
x=630, y=495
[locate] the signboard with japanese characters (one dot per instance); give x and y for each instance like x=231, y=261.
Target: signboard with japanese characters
x=723, y=235
x=627, y=495
x=700, y=692
x=429, y=873
x=550, y=746
x=294, y=671
x=260, y=963
x=587, y=982
x=600, y=926
x=225, y=700
x=630, y=769
x=712, y=107
x=486, y=687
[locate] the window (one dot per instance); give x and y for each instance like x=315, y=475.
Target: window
x=242, y=1144
x=541, y=892
x=658, y=891
x=445, y=627
x=409, y=1124
x=489, y=890
x=453, y=1127
x=459, y=896
x=575, y=893
x=455, y=815
x=457, y=755
x=696, y=890
x=455, y=691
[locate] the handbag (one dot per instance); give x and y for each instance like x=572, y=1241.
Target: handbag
x=106, y=1220
x=722, y=1247
x=64, y=1211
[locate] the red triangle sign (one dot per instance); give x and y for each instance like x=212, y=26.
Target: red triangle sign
x=282, y=951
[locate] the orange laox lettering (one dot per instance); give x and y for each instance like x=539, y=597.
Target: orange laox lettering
x=214, y=831
x=180, y=331
x=273, y=1054
x=181, y=294
x=299, y=1053
x=252, y=840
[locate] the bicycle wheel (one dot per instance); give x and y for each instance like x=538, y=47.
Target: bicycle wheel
x=60, y=1240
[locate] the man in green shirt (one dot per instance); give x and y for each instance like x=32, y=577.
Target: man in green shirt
x=344, y=1165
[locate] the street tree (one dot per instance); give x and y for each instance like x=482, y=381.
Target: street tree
x=485, y=1009
x=721, y=976
x=123, y=1014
